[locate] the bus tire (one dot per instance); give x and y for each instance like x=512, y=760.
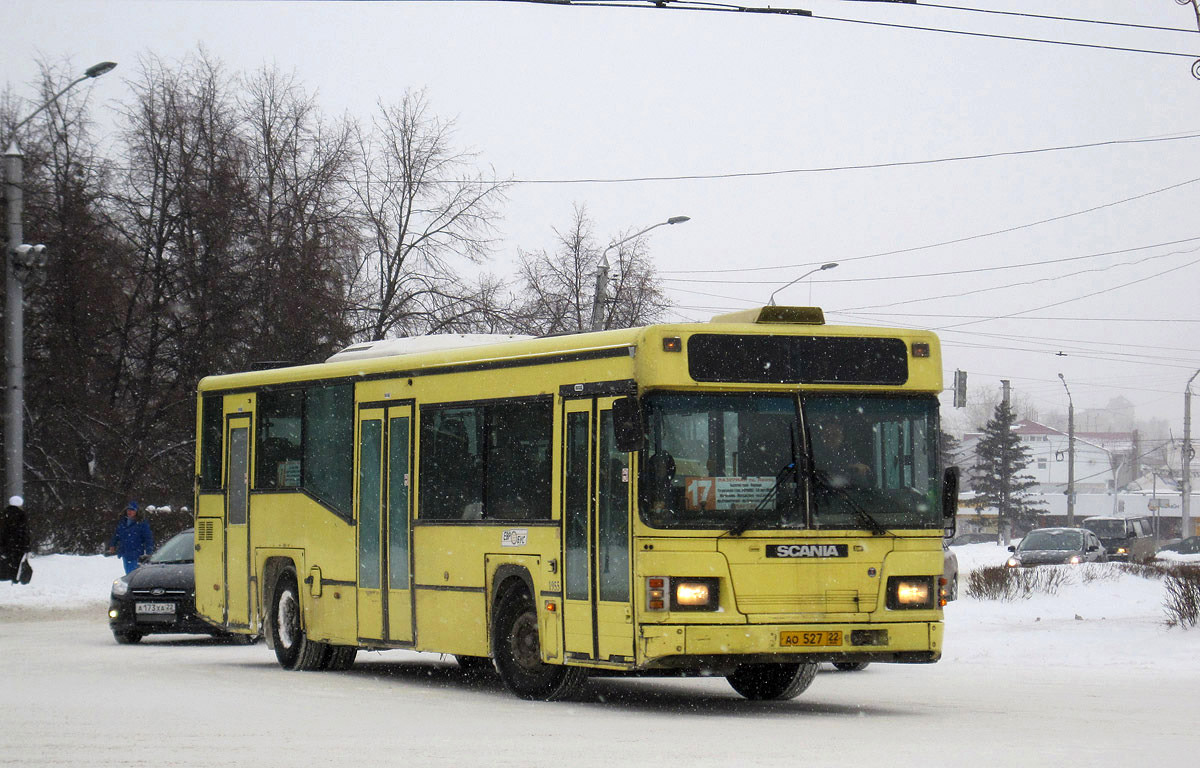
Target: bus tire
x=475, y=667
x=341, y=657
x=293, y=649
x=772, y=682
x=851, y=666
x=518, y=653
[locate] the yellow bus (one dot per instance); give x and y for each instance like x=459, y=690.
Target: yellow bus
x=745, y=497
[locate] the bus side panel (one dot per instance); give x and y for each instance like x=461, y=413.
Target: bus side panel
x=451, y=602
x=454, y=565
x=321, y=547
x=210, y=564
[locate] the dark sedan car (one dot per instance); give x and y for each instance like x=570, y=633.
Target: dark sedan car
x=160, y=596
x=1057, y=546
x=1188, y=546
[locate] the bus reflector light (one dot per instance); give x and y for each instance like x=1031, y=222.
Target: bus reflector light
x=920, y=349
x=656, y=593
x=672, y=344
x=551, y=606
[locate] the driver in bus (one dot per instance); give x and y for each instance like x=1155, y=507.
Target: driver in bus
x=837, y=459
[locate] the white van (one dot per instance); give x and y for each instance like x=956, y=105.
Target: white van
x=1129, y=539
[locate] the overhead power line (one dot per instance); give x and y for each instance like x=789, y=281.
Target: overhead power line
x=1035, y=318
x=683, y=5
x=976, y=270
x=1015, y=285
x=1025, y=15
x=857, y=167
x=939, y=244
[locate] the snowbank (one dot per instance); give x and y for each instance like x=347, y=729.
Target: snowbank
x=64, y=581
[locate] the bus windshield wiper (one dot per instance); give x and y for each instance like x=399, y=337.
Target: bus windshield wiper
x=821, y=479
x=740, y=526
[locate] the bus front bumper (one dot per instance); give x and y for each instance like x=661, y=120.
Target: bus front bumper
x=681, y=646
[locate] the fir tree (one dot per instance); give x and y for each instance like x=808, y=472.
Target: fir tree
x=998, y=475
x=949, y=449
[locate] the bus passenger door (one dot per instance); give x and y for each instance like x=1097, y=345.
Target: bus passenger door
x=237, y=533
x=598, y=612
x=578, y=630
x=398, y=504
x=369, y=506
x=382, y=504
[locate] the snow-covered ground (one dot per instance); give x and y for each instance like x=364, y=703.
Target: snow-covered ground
x=1089, y=676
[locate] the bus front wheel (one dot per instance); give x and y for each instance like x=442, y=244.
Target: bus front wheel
x=772, y=682
x=293, y=649
x=518, y=653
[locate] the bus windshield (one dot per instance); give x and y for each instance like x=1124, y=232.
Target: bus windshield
x=734, y=462
x=874, y=460
x=720, y=461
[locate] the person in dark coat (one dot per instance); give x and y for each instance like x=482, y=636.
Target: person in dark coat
x=132, y=538
x=14, y=538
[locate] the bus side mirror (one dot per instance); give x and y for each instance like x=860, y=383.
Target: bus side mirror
x=950, y=501
x=627, y=424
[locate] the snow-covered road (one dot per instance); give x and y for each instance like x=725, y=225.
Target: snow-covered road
x=1022, y=684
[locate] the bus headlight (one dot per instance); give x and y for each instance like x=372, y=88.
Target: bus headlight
x=910, y=592
x=692, y=594
x=681, y=593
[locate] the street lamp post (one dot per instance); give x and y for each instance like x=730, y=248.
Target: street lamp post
x=20, y=261
x=601, y=294
x=1185, y=500
x=1071, y=455
x=821, y=268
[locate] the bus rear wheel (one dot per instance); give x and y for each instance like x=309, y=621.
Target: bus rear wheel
x=341, y=657
x=475, y=667
x=293, y=649
x=772, y=682
x=518, y=653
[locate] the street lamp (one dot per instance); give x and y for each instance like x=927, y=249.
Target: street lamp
x=21, y=260
x=821, y=268
x=1071, y=455
x=1185, y=500
x=601, y=294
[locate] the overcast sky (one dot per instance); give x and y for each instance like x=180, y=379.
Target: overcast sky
x=1095, y=249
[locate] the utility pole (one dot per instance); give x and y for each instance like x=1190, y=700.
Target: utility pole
x=21, y=260
x=1185, y=501
x=1003, y=512
x=601, y=295
x=1070, y=455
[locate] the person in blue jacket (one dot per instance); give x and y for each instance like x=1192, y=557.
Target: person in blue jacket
x=132, y=538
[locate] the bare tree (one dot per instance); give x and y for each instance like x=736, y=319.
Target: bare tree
x=426, y=211
x=556, y=290
x=299, y=237
x=179, y=211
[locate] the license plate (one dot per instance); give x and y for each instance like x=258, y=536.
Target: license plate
x=809, y=639
x=155, y=608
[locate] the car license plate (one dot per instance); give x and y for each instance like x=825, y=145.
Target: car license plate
x=809, y=639
x=156, y=608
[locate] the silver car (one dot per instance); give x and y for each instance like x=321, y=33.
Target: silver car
x=949, y=590
x=1057, y=546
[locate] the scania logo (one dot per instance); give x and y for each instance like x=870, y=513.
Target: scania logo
x=157, y=591
x=807, y=550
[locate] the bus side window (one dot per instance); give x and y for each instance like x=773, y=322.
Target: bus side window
x=450, y=471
